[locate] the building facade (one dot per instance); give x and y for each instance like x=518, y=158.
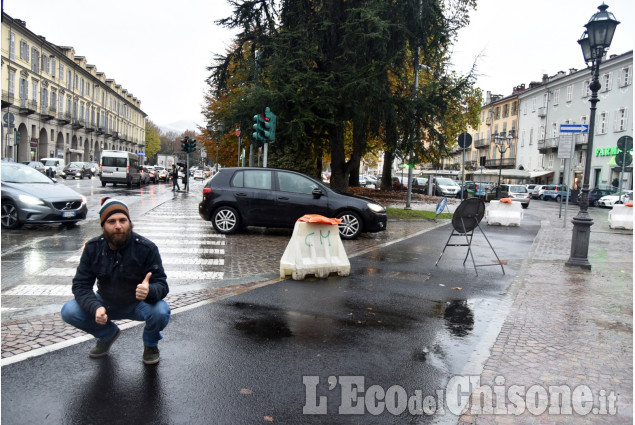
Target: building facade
x=564, y=99
x=56, y=104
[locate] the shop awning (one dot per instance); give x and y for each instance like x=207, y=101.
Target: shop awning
x=539, y=173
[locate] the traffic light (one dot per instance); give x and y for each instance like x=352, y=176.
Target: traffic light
x=185, y=144
x=258, y=138
x=192, y=146
x=271, y=120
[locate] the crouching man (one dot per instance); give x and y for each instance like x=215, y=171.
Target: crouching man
x=131, y=284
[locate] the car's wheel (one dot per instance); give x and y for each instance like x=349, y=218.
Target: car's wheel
x=557, y=198
x=103, y=184
x=10, y=216
x=351, y=225
x=525, y=206
x=226, y=220
x=541, y=197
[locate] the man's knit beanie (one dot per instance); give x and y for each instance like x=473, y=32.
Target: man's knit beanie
x=109, y=206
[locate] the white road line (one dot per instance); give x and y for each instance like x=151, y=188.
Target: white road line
x=41, y=290
x=173, y=242
x=168, y=250
x=189, y=235
x=171, y=274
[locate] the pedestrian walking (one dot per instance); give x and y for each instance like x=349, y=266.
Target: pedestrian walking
x=175, y=178
x=131, y=284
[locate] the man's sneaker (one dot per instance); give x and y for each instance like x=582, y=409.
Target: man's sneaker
x=150, y=355
x=101, y=348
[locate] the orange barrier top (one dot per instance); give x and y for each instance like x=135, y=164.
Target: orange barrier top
x=319, y=219
x=506, y=201
x=629, y=204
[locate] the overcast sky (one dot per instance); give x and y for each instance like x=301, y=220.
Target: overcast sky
x=158, y=49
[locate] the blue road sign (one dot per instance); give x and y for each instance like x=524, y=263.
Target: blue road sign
x=574, y=128
x=441, y=205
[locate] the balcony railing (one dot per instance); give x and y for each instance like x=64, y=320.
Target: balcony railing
x=505, y=162
x=548, y=143
x=481, y=143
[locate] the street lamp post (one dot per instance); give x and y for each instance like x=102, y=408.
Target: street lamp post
x=594, y=42
x=502, y=143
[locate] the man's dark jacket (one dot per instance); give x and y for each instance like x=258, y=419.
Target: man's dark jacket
x=118, y=273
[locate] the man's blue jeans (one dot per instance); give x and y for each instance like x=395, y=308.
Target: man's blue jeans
x=155, y=315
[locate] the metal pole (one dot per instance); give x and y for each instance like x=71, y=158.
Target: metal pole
x=264, y=156
x=582, y=222
x=217, y=156
x=240, y=142
x=187, y=170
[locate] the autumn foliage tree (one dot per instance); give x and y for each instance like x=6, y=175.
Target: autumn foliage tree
x=340, y=77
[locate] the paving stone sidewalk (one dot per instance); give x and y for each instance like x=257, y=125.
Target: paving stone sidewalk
x=567, y=327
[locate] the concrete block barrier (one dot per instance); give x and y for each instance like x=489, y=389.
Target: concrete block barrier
x=503, y=213
x=621, y=217
x=314, y=249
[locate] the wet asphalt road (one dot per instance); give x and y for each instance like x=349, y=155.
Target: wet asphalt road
x=397, y=320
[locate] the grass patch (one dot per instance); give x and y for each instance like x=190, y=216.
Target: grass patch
x=401, y=214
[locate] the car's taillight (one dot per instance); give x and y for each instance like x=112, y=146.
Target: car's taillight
x=207, y=190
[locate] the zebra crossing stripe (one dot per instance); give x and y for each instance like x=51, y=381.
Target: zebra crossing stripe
x=151, y=235
x=168, y=250
x=41, y=290
x=173, y=242
x=171, y=274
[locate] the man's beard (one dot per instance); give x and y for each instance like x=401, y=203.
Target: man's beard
x=118, y=239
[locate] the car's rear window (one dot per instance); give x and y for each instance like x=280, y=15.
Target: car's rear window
x=518, y=189
x=110, y=161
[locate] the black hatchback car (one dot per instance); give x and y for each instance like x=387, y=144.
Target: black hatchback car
x=235, y=198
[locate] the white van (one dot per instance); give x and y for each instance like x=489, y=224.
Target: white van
x=119, y=167
x=55, y=165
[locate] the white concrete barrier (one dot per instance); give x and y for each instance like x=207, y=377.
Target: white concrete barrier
x=621, y=217
x=314, y=249
x=503, y=213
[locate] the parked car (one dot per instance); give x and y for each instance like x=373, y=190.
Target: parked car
x=55, y=165
x=610, y=200
x=371, y=181
x=399, y=183
x=207, y=171
x=477, y=189
x=35, y=164
x=29, y=196
x=419, y=185
x=145, y=175
x=192, y=169
x=531, y=187
x=599, y=192
x=267, y=197
x=516, y=192
x=76, y=170
x=162, y=174
x=94, y=168
x=152, y=173
x=443, y=186
x=556, y=192
x=199, y=174
x=538, y=191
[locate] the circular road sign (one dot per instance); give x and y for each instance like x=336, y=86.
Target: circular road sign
x=623, y=159
x=465, y=140
x=625, y=143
